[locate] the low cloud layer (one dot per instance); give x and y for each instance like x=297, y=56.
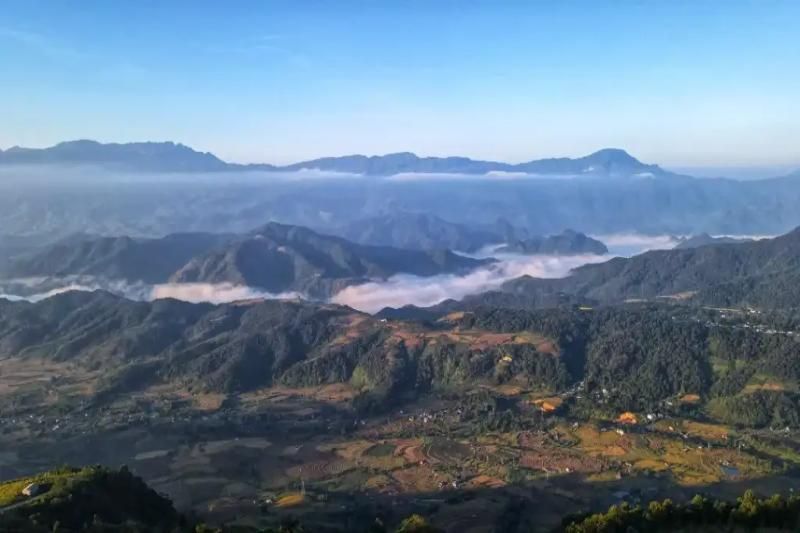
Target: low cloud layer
x=36, y=289
x=403, y=289
x=627, y=244
x=214, y=292
x=396, y=291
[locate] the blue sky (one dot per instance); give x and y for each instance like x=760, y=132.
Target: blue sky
x=687, y=83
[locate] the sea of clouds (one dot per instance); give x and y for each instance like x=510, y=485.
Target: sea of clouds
x=396, y=291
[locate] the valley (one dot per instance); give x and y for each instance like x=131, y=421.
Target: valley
x=485, y=409
x=399, y=267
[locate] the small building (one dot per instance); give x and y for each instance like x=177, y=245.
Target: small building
x=627, y=418
x=548, y=405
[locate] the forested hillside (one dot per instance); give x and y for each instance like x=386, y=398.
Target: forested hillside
x=636, y=357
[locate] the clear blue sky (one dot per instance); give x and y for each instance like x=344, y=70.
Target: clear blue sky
x=674, y=82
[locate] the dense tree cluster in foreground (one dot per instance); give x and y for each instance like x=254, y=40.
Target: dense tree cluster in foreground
x=99, y=500
x=748, y=513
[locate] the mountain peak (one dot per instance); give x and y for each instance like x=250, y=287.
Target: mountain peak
x=617, y=155
x=77, y=143
x=397, y=155
x=169, y=156
x=136, y=156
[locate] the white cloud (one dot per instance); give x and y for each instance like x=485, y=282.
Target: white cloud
x=399, y=290
x=214, y=292
x=638, y=242
x=404, y=289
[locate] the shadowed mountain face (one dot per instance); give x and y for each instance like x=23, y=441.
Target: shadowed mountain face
x=748, y=272
x=764, y=274
x=280, y=258
x=566, y=243
x=72, y=498
x=124, y=258
x=131, y=346
x=277, y=258
x=250, y=345
x=422, y=231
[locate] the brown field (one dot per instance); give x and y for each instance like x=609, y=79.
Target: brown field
x=690, y=398
x=414, y=336
x=711, y=432
x=418, y=479
x=334, y=393
x=52, y=381
x=484, y=481
x=291, y=500
x=210, y=465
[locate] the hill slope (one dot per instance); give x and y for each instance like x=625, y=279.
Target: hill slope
x=88, y=499
x=748, y=272
x=423, y=231
x=641, y=355
x=130, y=346
x=126, y=258
x=280, y=258
x=704, y=239
x=568, y=242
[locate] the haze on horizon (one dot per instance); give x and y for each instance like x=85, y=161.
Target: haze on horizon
x=685, y=85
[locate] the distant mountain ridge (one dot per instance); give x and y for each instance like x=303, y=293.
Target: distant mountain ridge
x=704, y=239
x=424, y=231
x=136, y=156
x=610, y=162
x=125, y=258
x=275, y=257
x=568, y=242
x=280, y=258
x=173, y=157
x=763, y=273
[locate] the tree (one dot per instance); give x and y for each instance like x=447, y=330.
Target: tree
x=416, y=524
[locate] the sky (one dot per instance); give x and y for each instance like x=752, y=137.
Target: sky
x=680, y=83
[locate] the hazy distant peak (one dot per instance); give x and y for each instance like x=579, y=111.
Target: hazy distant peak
x=136, y=156
x=615, y=154
x=705, y=239
x=175, y=157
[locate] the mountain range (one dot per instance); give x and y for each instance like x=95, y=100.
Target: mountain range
x=675, y=272
x=125, y=258
x=763, y=274
x=139, y=156
x=280, y=258
x=77, y=188
x=275, y=257
x=568, y=242
x=173, y=157
x=704, y=239
x=424, y=231
x=244, y=346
